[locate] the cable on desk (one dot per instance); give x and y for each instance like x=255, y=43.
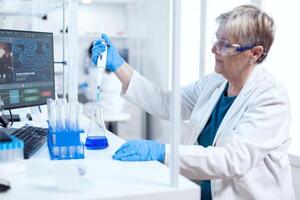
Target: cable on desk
x=40, y=109
x=11, y=117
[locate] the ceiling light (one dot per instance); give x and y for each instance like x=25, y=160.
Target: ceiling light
x=86, y=1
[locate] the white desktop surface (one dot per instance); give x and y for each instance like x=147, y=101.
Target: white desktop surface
x=105, y=178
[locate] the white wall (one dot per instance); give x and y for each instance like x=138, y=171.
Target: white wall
x=190, y=41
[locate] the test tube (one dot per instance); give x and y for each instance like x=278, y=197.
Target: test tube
x=49, y=101
x=58, y=122
x=52, y=121
x=76, y=112
x=62, y=113
x=10, y=151
x=55, y=151
x=53, y=115
x=3, y=148
x=65, y=111
x=14, y=150
x=20, y=149
x=3, y=151
x=72, y=112
x=63, y=151
x=72, y=151
x=68, y=116
x=70, y=119
x=79, y=113
x=79, y=150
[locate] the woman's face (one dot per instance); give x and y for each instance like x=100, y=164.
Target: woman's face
x=228, y=62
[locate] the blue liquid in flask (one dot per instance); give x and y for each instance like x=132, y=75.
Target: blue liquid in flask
x=96, y=136
x=96, y=142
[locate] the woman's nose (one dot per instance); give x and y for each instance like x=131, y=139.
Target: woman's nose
x=214, y=49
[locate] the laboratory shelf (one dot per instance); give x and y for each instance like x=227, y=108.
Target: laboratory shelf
x=33, y=8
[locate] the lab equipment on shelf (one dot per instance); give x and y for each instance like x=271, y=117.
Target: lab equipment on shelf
x=64, y=130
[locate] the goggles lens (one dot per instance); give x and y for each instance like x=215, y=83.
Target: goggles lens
x=225, y=48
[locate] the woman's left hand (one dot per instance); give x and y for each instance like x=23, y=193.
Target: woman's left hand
x=140, y=150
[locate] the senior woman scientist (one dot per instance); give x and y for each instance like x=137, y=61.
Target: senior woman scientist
x=239, y=116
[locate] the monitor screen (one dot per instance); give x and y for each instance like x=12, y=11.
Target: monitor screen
x=26, y=68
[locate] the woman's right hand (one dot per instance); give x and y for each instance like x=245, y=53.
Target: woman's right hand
x=114, y=60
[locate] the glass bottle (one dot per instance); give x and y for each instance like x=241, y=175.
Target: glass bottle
x=96, y=135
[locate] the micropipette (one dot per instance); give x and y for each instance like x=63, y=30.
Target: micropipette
x=101, y=64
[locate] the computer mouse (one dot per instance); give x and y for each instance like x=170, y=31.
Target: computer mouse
x=4, y=185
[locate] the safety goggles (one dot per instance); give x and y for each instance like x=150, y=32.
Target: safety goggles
x=225, y=48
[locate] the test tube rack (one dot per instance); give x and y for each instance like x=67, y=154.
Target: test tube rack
x=65, y=144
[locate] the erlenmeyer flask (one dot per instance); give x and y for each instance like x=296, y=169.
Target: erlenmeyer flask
x=96, y=135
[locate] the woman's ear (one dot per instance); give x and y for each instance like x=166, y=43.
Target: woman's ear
x=257, y=52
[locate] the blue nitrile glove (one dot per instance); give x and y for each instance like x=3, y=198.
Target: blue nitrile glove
x=140, y=150
x=114, y=60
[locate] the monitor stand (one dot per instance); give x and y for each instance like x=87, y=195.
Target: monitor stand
x=35, y=114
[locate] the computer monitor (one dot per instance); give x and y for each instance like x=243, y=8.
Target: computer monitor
x=26, y=68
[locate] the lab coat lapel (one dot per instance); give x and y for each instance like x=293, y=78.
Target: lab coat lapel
x=236, y=109
x=202, y=115
x=231, y=113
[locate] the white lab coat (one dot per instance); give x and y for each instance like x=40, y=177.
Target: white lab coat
x=248, y=159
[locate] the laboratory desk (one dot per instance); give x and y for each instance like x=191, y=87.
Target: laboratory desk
x=101, y=178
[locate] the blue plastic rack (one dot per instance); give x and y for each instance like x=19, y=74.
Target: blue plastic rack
x=65, y=144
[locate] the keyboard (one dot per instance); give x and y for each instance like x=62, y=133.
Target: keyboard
x=33, y=137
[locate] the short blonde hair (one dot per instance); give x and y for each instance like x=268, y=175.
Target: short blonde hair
x=250, y=26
